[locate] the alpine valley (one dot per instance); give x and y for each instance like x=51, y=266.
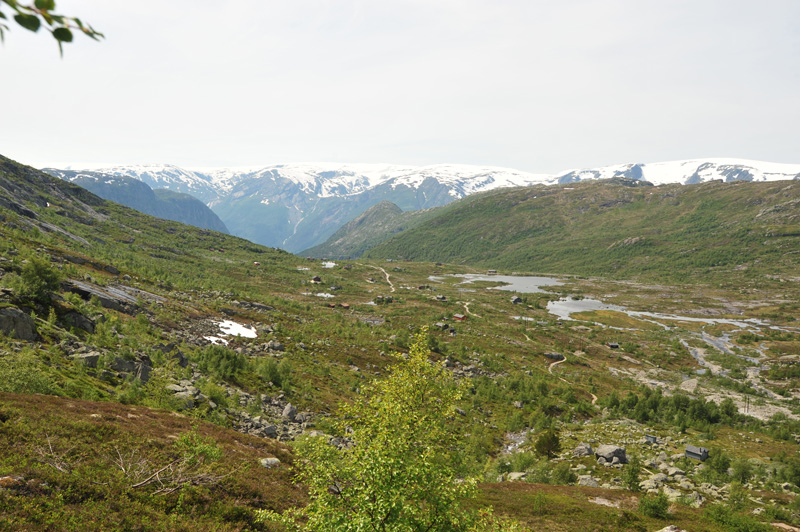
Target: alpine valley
x=618, y=349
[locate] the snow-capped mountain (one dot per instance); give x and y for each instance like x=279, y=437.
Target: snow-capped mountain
x=689, y=172
x=334, y=179
x=162, y=176
x=296, y=206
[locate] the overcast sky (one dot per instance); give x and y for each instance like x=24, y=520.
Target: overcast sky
x=540, y=86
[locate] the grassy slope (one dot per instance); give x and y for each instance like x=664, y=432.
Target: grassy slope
x=60, y=460
x=602, y=228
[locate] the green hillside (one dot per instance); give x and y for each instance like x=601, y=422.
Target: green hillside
x=366, y=231
x=616, y=229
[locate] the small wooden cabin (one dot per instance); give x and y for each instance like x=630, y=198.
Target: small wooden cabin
x=698, y=453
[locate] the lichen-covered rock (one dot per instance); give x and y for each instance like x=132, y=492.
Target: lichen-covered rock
x=676, y=471
x=270, y=462
x=588, y=480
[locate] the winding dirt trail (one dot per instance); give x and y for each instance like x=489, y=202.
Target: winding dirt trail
x=556, y=363
x=467, y=310
x=385, y=274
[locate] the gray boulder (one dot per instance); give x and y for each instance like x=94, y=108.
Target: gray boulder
x=660, y=477
x=676, y=471
x=89, y=360
x=609, y=452
x=272, y=345
x=583, y=449
x=17, y=324
x=588, y=480
x=143, y=372
x=269, y=463
x=290, y=412
x=649, y=484
x=123, y=365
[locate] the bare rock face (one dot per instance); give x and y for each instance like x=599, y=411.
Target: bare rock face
x=17, y=324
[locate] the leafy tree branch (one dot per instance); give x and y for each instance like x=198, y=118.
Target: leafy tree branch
x=42, y=13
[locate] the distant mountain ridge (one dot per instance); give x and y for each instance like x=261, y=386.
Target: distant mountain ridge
x=136, y=194
x=298, y=206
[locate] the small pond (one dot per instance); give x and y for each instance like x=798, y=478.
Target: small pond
x=526, y=284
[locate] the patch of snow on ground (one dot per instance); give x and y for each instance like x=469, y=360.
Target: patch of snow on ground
x=216, y=340
x=323, y=294
x=231, y=328
x=328, y=264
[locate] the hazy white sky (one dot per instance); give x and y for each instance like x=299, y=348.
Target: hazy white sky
x=536, y=85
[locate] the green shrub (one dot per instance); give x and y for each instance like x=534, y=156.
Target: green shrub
x=36, y=280
x=630, y=474
x=197, y=449
x=220, y=361
x=735, y=522
x=548, y=444
x=538, y=504
x=742, y=470
x=23, y=372
x=563, y=474
x=655, y=506
x=278, y=373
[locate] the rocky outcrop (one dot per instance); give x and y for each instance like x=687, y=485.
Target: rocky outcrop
x=117, y=297
x=17, y=324
x=78, y=321
x=89, y=359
